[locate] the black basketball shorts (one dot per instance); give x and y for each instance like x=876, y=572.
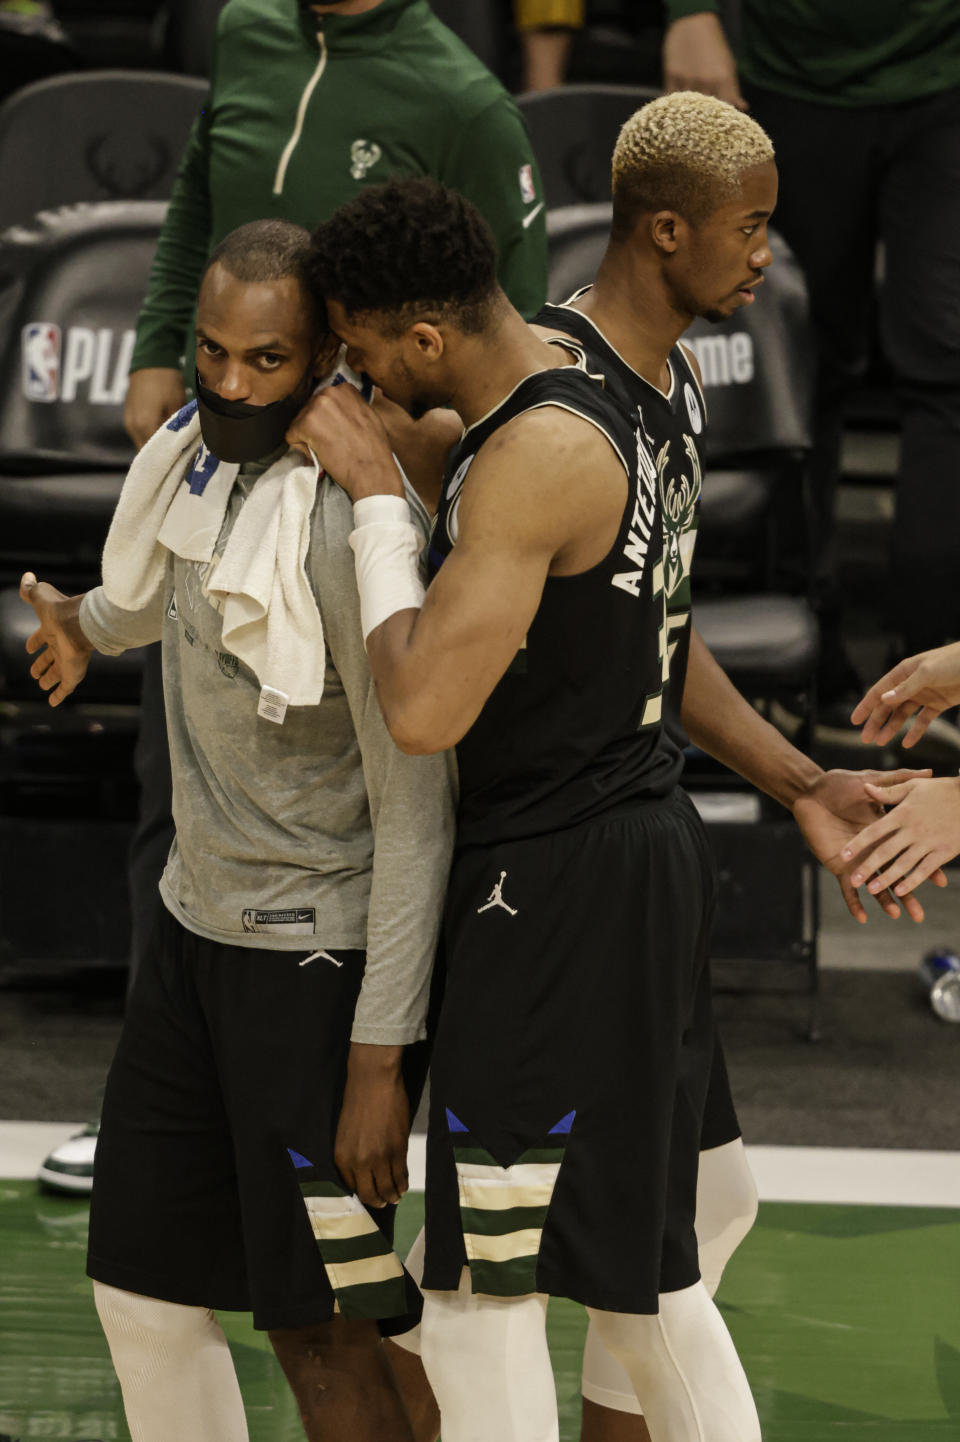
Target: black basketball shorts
x=215, y=1184
x=572, y=1060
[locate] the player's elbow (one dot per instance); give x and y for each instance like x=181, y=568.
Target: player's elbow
x=418, y=740
x=416, y=731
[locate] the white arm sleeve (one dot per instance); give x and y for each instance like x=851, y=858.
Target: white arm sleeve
x=386, y=546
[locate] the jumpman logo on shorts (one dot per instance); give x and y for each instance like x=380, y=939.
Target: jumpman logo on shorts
x=314, y=956
x=496, y=898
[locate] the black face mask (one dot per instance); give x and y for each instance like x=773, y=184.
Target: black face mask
x=235, y=431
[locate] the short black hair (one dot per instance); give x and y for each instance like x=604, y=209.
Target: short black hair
x=265, y=250
x=409, y=250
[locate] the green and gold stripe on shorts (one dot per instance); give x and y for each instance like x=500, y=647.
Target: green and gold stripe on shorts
x=362, y=1268
x=503, y=1209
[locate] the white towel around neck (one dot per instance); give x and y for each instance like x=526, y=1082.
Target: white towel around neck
x=174, y=499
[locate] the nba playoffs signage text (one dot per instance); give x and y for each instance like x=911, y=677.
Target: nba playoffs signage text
x=79, y=363
x=725, y=360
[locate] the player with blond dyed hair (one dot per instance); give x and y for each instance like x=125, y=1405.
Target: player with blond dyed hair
x=685, y=152
x=693, y=185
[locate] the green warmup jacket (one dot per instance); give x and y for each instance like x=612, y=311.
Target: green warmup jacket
x=846, y=52
x=306, y=110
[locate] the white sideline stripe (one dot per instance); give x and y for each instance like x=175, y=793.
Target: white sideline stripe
x=851, y=1175
x=417, y=1161
x=24, y=1146
x=857, y=1175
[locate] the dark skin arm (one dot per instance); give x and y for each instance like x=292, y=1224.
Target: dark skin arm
x=830, y=807
x=434, y=668
x=371, y=1143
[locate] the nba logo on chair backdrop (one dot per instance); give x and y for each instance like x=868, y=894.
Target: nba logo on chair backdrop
x=41, y=361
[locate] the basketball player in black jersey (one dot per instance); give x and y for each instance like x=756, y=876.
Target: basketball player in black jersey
x=575, y=1038
x=618, y=327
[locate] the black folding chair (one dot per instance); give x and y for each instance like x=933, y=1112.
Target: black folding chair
x=98, y=135
x=70, y=287
x=573, y=130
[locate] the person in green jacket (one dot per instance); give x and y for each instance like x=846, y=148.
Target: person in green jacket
x=309, y=103
x=862, y=102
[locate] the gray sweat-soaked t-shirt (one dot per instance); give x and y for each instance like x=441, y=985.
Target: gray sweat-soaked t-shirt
x=274, y=845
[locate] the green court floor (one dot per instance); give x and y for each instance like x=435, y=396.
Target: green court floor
x=847, y=1320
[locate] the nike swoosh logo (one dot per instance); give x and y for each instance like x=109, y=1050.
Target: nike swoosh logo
x=531, y=217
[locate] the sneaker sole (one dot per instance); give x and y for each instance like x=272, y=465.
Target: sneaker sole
x=64, y=1182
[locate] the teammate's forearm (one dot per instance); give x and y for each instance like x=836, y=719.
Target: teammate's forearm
x=68, y=618
x=403, y=687
x=110, y=630
x=410, y=797
x=719, y=720
x=367, y=1062
x=386, y=548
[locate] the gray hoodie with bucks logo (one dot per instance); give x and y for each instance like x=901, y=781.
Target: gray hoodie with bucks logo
x=318, y=833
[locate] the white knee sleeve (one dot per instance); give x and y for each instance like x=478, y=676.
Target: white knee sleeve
x=487, y=1361
x=174, y=1369
x=410, y=1341
x=603, y=1380
x=726, y=1210
x=684, y=1369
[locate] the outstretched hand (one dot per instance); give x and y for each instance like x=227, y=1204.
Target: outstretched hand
x=910, y=842
x=64, y=651
x=922, y=686
x=832, y=813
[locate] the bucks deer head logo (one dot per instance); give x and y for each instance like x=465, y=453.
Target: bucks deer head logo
x=678, y=499
x=364, y=155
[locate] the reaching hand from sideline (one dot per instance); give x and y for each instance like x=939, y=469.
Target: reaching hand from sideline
x=64, y=650
x=154, y=395
x=696, y=56
x=922, y=686
x=908, y=845
x=832, y=814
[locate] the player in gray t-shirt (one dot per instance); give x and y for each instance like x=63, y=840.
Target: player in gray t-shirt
x=255, y=1121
